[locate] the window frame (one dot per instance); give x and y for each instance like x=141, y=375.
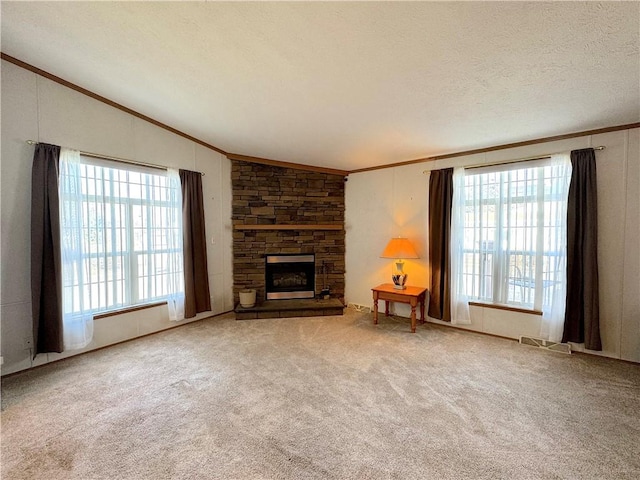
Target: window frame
x=499, y=297
x=125, y=256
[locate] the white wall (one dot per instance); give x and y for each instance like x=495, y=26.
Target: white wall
x=394, y=201
x=34, y=108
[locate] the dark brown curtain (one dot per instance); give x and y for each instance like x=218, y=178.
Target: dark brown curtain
x=196, y=277
x=46, y=263
x=582, y=316
x=440, y=201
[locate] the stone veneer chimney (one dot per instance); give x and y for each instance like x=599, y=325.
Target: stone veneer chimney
x=284, y=210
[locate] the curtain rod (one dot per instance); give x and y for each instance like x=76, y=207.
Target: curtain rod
x=115, y=159
x=518, y=160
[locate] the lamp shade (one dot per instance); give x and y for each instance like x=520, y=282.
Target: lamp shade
x=399, y=248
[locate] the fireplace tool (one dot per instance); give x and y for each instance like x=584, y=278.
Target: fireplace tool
x=325, y=293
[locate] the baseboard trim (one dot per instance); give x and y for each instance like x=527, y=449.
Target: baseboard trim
x=30, y=369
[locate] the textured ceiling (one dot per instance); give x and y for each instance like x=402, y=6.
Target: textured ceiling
x=345, y=85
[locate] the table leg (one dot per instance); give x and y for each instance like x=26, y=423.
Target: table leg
x=386, y=308
x=413, y=316
x=422, y=298
x=375, y=308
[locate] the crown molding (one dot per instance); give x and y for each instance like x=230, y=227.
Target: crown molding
x=554, y=138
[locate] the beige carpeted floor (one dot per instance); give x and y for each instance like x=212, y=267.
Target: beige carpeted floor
x=322, y=398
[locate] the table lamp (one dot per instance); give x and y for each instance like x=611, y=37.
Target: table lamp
x=399, y=248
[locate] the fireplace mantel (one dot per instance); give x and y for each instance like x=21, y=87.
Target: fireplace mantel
x=245, y=226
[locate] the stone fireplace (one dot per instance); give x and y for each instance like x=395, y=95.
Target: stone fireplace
x=287, y=212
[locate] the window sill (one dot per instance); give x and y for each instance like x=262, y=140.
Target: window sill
x=506, y=307
x=133, y=308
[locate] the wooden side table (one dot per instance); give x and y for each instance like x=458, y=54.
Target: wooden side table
x=410, y=295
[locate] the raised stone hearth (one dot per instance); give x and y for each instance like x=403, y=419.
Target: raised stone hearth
x=291, y=308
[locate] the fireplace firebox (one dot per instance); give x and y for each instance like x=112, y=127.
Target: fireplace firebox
x=289, y=276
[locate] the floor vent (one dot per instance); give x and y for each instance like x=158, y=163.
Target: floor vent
x=546, y=344
x=359, y=308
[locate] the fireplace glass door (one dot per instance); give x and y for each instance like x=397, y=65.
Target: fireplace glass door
x=290, y=276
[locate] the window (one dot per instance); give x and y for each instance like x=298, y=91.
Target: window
x=125, y=234
x=514, y=233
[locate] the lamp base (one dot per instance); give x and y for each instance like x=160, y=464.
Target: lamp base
x=399, y=280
